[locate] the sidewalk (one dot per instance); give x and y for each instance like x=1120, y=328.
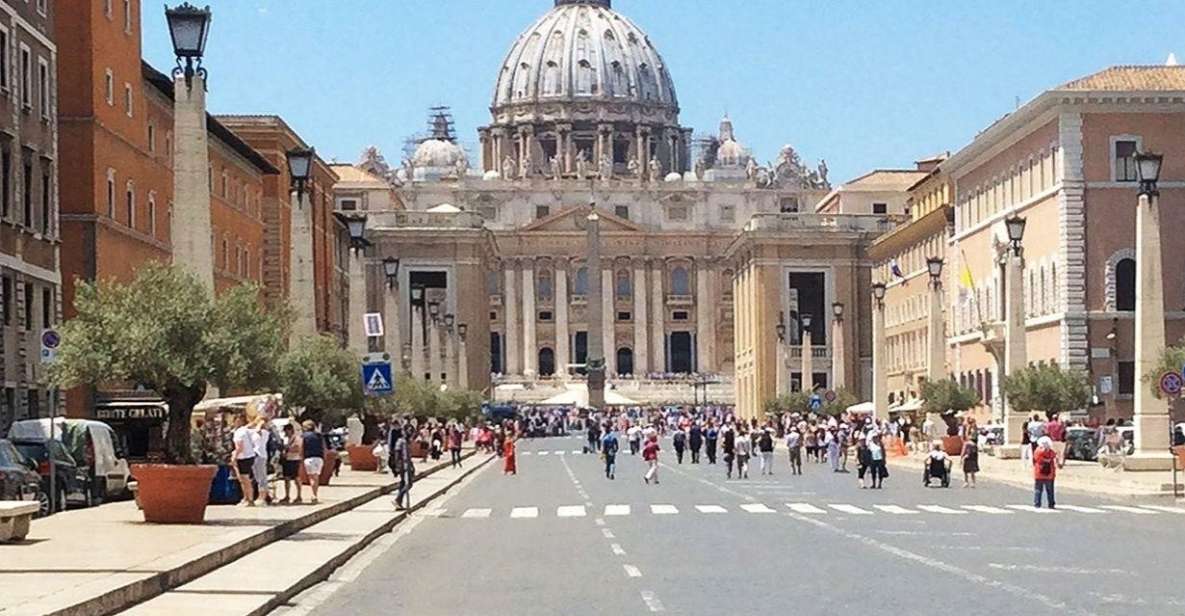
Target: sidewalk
x=103, y=559
x=1076, y=475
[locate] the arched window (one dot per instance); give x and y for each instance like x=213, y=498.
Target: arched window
x=680, y=281
x=624, y=286
x=522, y=80
x=625, y=361
x=1125, y=284
x=546, y=362
x=586, y=78
x=647, y=86
x=543, y=285
x=580, y=286
x=551, y=79
x=619, y=83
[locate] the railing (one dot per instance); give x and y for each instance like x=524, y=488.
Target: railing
x=419, y=220
x=836, y=222
x=817, y=352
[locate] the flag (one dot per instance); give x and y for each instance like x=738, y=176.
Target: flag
x=895, y=268
x=967, y=285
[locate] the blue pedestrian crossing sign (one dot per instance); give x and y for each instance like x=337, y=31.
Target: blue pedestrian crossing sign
x=377, y=379
x=816, y=402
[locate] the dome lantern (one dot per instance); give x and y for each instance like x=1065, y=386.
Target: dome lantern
x=605, y=3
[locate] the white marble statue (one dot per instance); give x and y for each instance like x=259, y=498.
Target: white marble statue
x=634, y=168
x=508, y=168
x=606, y=167
x=581, y=165
x=556, y=168
x=655, y=169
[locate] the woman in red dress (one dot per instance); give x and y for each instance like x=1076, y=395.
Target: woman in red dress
x=509, y=467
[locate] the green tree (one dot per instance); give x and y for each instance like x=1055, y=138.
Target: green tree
x=165, y=331
x=794, y=402
x=1048, y=388
x=319, y=375
x=1171, y=360
x=946, y=396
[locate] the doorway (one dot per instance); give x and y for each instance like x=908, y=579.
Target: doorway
x=625, y=361
x=681, y=353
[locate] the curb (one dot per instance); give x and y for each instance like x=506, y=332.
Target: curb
x=140, y=591
x=323, y=572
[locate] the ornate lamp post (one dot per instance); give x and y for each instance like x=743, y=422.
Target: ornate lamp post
x=393, y=312
x=838, y=368
x=434, y=343
x=391, y=271
x=808, y=373
x=596, y=320
x=450, y=350
x=880, y=401
x=936, y=362
x=355, y=223
x=1151, y=416
x=190, y=225
x=782, y=383
x=417, y=332
x=1015, y=347
x=302, y=283
x=462, y=357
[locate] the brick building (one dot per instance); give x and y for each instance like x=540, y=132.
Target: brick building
x=29, y=232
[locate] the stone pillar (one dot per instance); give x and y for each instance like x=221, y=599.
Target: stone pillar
x=417, y=341
x=392, y=327
x=880, y=364
x=357, y=302
x=596, y=320
x=1151, y=417
x=705, y=319
x=1015, y=352
x=450, y=357
x=641, y=342
x=658, y=314
x=463, y=364
x=936, y=362
x=563, y=147
x=640, y=152
x=529, y=315
x=302, y=288
x=609, y=318
x=190, y=226
x=511, y=334
x=808, y=369
x=563, y=354
x=435, y=363
x=781, y=374
x=839, y=369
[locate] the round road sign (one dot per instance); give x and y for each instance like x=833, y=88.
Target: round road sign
x=830, y=395
x=1170, y=383
x=50, y=339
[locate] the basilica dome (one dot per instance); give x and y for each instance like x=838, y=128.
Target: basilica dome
x=582, y=51
x=439, y=153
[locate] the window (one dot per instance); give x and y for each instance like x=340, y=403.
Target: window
x=26, y=77
x=580, y=286
x=788, y=205
x=28, y=306
x=27, y=200
x=1125, y=284
x=680, y=281
x=6, y=180
x=679, y=315
x=1125, y=160
x=109, y=87
x=545, y=316
x=130, y=194
x=880, y=208
x=239, y=260
x=622, y=211
x=46, y=189
x=542, y=211
x=43, y=87
x=46, y=308
x=1127, y=378
x=107, y=8
x=624, y=286
x=225, y=184
x=151, y=137
x=349, y=204
x=152, y=213
x=111, y=193
x=43, y=7
x=4, y=82
x=6, y=300
x=624, y=316
x=127, y=99
x=728, y=213
x=225, y=253
x=677, y=213
x=127, y=16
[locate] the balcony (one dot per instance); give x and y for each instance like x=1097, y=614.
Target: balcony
x=405, y=219
x=822, y=222
x=817, y=352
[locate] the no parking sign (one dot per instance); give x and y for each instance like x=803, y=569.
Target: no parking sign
x=1171, y=383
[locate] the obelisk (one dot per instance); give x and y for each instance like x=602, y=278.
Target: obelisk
x=596, y=318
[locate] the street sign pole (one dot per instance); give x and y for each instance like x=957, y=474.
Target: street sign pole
x=50, y=340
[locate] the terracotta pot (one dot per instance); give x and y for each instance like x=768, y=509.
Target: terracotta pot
x=173, y=494
x=326, y=469
x=952, y=445
x=362, y=458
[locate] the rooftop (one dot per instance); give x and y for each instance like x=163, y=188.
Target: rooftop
x=1130, y=78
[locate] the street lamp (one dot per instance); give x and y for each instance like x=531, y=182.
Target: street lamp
x=356, y=226
x=1016, y=232
x=780, y=328
x=391, y=271
x=806, y=320
x=837, y=310
x=1148, y=171
x=188, y=27
x=462, y=330
x=449, y=320
x=878, y=293
x=300, y=167
x=417, y=294
x=934, y=266
x=434, y=311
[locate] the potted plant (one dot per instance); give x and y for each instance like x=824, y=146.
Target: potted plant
x=320, y=377
x=166, y=331
x=946, y=398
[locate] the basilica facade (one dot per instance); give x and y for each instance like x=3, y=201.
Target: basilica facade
x=704, y=251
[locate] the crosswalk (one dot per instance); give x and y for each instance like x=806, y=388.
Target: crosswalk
x=808, y=509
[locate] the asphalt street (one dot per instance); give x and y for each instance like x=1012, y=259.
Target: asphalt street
x=560, y=538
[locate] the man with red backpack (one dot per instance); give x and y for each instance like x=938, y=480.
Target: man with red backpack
x=1044, y=471
x=650, y=456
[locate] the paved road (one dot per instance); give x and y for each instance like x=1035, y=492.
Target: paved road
x=561, y=539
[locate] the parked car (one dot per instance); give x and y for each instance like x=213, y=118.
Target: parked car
x=92, y=444
x=18, y=477
x=1082, y=443
x=72, y=482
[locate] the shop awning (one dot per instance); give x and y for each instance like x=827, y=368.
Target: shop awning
x=913, y=404
x=864, y=408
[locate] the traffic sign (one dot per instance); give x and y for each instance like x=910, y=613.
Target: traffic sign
x=830, y=395
x=816, y=402
x=372, y=323
x=1170, y=383
x=50, y=341
x=377, y=379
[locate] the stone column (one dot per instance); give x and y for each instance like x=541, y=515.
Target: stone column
x=639, y=152
x=658, y=315
x=609, y=319
x=641, y=342
x=1151, y=417
x=880, y=364
x=190, y=226
x=357, y=301
x=563, y=354
x=302, y=289
x=781, y=374
x=596, y=321
x=450, y=357
x=808, y=369
x=463, y=364
x=705, y=318
x=529, y=316
x=392, y=329
x=936, y=362
x=511, y=335
x=1015, y=352
x=417, y=341
x=434, y=350
x=839, y=369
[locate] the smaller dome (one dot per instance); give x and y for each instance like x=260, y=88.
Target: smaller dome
x=674, y=176
x=444, y=208
x=439, y=153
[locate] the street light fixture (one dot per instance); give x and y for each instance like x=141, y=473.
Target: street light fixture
x=188, y=27
x=391, y=271
x=780, y=328
x=806, y=320
x=434, y=311
x=449, y=320
x=1016, y=232
x=1148, y=171
x=878, y=293
x=417, y=294
x=462, y=330
x=300, y=168
x=837, y=310
x=355, y=223
x=934, y=266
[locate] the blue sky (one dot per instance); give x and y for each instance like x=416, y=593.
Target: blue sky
x=861, y=84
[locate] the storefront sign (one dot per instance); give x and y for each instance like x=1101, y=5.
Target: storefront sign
x=130, y=412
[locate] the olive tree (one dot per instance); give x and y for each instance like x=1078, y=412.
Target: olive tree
x=1048, y=388
x=320, y=376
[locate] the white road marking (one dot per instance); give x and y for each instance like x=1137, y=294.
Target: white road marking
x=1047, y=569
x=663, y=509
x=476, y=513
x=432, y=513
x=756, y=508
x=652, y=602
x=524, y=512
x=575, y=452
x=608, y=533
x=559, y=452
x=1126, y=509
x=986, y=509
x=632, y=571
x=941, y=509
x=1080, y=509
x=852, y=509
x=1165, y=508
x=543, y=453
x=570, y=511
x=600, y=522
x=711, y=509
x=1031, y=509
x=928, y=533
x=617, y=510
x=616, y=547
x=895, y=509
x=804, y=508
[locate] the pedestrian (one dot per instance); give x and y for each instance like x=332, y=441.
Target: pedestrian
x=509, y=460
x=594, y=437
x=729, y=448
x=863, y=460
x=400, y=462
x=970, y=458
x=1056, y=431
x=695, y=441
x=291, y=463
x=455, y=436
x=634, y=434
x=313, y=450
x=794, y=446
x=879, y=470
x=743, y=447
x=243, y=458
x=831, y=441
x=260, y=440
x=1036, y=430
x=765, y=444
x=650, y=456
x=609, y=448
x=1044, y=471
x=710, y=438
x=679, y=440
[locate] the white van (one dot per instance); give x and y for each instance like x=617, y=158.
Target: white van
x=91, y=443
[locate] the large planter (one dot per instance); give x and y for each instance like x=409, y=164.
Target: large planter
x=362, y=458
x=326, y=470
x=173, y=494
x=952, y=445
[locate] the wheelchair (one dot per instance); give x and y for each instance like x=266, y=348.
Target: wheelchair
x=937, y=469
